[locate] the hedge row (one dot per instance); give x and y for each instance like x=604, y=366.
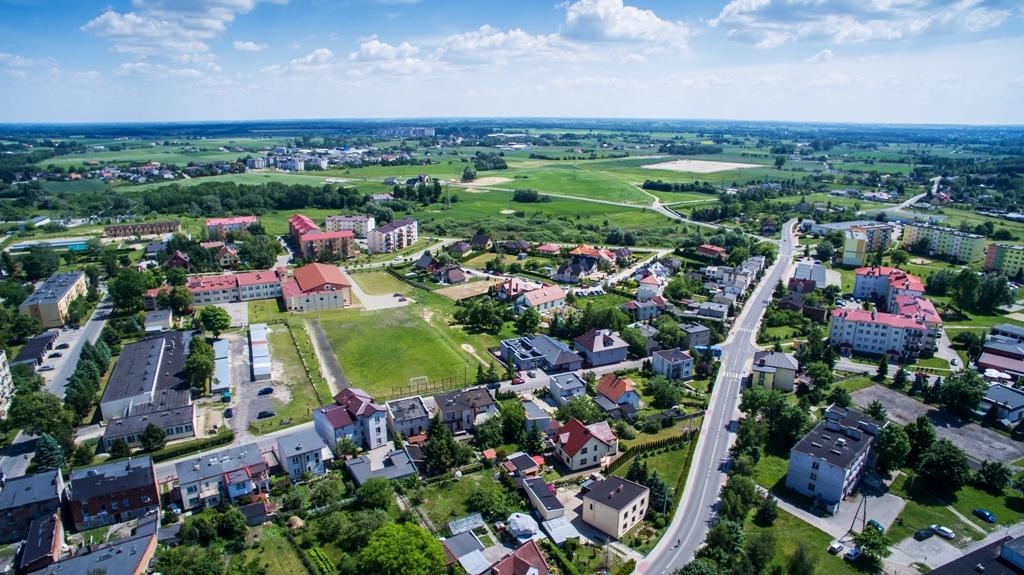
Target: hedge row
x=560, y=557
x=320, y=561
x=311, y=568
x=182, y=449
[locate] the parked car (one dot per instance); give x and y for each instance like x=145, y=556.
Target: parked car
x=954, y=362
x=922, y=534
x=64, y=345
x=265, y=414
x=835, y=548
x=985, y=515
x=875, y=524
x=229, y=413
x=943, y=531
x=531, y=373
x=56, y=354
x=46, y=367
x=517, y=380
x=266, y=391
x=852, y=554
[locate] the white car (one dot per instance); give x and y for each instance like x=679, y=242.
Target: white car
x=836, y=548
x=942, y=531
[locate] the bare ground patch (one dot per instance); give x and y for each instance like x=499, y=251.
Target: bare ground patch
x=466, y=290
x=482, y=182
x=699, y=166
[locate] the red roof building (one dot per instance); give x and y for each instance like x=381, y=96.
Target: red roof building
x=526, y=560
x=580, y=446
x=317, y=287
x=220, y=226
x=710, y=251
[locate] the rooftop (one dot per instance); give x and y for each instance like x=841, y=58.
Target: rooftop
x=124, y=556
x=842, y=436
x=615, y=492
x=112, y=477
x=544, y=492
x=314, y=277
x=574, y=435
x=408, y=408
x=35, y=347
x=148, y=365
x=302, y=441
x=54, y=289
x=887, y=319
x=674, y=355
x=597, y=340
x=471, y=398
x=775, y=359
x=218, y=463
x=29, y=489
x=230, y=221
x=392, y=226
x=397, y=465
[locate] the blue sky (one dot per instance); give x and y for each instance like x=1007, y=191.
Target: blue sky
x=899, y=61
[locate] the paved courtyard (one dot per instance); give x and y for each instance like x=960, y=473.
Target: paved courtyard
x=979, y=443
x=239, y=312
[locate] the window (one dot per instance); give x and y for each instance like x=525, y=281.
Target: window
x=814, y=476
x=810, y=487
x=815, y=465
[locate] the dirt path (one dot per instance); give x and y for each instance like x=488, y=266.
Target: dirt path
x=329, y=365
x=471, y=351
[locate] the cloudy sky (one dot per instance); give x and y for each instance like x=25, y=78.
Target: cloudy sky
x=907, y=61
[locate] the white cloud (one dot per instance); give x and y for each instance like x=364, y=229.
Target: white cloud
x=611, y=20
x=825, y=55
x=772, y=23
x=248, y=46
x=488, y=43
x=373, y=50
x=149, y=70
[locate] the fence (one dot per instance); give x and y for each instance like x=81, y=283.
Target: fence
x=403, y=279
x=641, y=448
x=426, y=388
x=677, y=494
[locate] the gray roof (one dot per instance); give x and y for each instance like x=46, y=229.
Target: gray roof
x=218, y=463
x=54, y=288
x=120, y=557
x=568, y=381
x=29, y=489
x=160, y=357
x=392, y=226
x=1009, y=328
x=555, y=352
x=1005, y=345
x=694, y=328
x=159, y=315
x=714, y=306
x=674, y=355
x=615, y=492
x=302, y=441
x=1010, y=397
x=471, y=398
x=544, y=493
x=39, y=541
x=811, y=271
x=463, y=544
x=397, y=465
x=112, y=477
x=775, y=359
x=408, y=409
x=35, y=348
x=533, y=411
x=840, y=438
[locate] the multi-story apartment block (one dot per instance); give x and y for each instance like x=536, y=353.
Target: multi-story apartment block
x=828, y=463
x=141, y=229
x=217, y=227
x=1005, y=258
x=49, y=303
x=328, y=245
x=206, y=480
x=885, y=283
x=945, y=242
x=393, y=236
x=878, y=333
x=354, y=415
x=290, y=164
x=855, y=248
x=359, y=225
x=257, y=163
x=300, y=225
x=112, y=493
x=6, y=385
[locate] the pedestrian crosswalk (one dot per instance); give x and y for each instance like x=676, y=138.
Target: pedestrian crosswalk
x=734, y=374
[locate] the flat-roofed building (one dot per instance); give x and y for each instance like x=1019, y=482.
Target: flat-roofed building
x=1005, y=258
x=408, y=416
x=358, y=224
x=945, y=242
x=49, y=302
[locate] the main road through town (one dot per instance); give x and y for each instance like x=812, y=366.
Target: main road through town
x=696, y=509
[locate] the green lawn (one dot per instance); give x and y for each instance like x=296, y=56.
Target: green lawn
x=771, y=470
x=380, y=283
x=301, y=398
x=790, y=531
x=275, y=553
x=933, y=363
x=669, y=465
x=1007, y=507
x=855, y=383
x=445, y=501
x=574, y=180
x=922, y=511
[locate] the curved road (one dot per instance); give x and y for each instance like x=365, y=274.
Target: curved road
x=696, y=509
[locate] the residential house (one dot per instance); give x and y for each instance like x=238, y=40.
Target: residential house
x=515, y=247
x=527, y=559
x=459, y=249
x=302, y=452
x=50, y=301
x=178, y=259
x=536, y=417
x=542, y=300
x=774, y=369
x=710, y=251
x=602, y=347
x=462, y=410
x=829, y=462
x=44, y=543
x=354, y=415
x=590, y=258
x=540, y=351
x=158, y=320
x=481, y=242
x=129, y=556
x=673, y=363
x=426, y=263
x=694, y=335
x=227, y=257
x=619, y=390
x=466, y=551
x=513, y=287
x=359, y=225
x=713, y=310
x=581, y=446
x=1003, y=404
x=396, y=464
x=614, y=505
x=649, y=286
x=569, y=272
x=644, y=310
x=548, y=249
x=566, y=386
x=26, y=498
x=408, y=416
x=112, y=492
x=450, y=274
x=541, y=496
x=206, y=480
x=520, y=464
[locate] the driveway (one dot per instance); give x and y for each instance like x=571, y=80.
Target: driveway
x=374, y=302
x=881, y=505
x=239, y=312
x=933, y=552
x=979, y=443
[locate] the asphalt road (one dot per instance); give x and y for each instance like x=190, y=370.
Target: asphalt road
x=697, y=508
x=17, y=456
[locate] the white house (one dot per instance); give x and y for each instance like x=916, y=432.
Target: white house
x=673, y=363
x=354, y=415
x=581, y=446
x=302, y=452
x=615, y=505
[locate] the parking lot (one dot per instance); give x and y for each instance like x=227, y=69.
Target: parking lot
x=979, y=443
x=246, y=401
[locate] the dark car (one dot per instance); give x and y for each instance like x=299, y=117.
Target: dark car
x=875, y=524
x=985, y=515
x=63, y=346
x=265, y=414
x=266, y=391
x=56, y=354
x=229, y=413
x=922, y=534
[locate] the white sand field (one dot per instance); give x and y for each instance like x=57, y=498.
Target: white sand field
x=483, y=182
x=699, y=166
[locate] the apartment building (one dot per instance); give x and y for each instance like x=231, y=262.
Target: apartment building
x=302, y=452
x=1005, y=258
x=206, y=480
x=354, y=415
x=878, y=333
x=49, y=303
x=257, y=163
x=328, y=245
x=218, y=227
x=6, y=385
x=615, y=505
x=885, y=283
x=112, y=493
x=359, y=225
x=828, y=463
x=299, y=225
x=139, y=229
x=26, y=498
x=774, y=369
x=945, y=242
x=393, y=236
